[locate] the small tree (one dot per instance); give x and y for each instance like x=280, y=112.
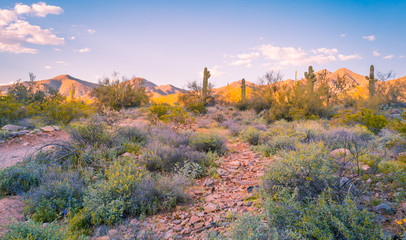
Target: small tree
x=113, y=94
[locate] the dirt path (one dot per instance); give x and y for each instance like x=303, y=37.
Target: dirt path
x=15, y=151
x=216, y=201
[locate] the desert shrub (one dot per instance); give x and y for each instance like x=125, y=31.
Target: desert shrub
x=128, y=190
x=373, y=121
x=248, y=227
x=208, y=143
x=322, y=218
x=131, y=134
x=117, y=95
x=31, y=230
x=251, y=135
x=233, y=126
x=163, y=157
x=190, y=170
x=218, y=117
x=242, y=105
x=60, y=192
x=169, y=136
x=91, y=133
x=55, y=111
x=277, y=143
x=167, y=113
x=10, y=110
x=20, y=178
x=5, y=134
x=351, y=138
x=307, y=168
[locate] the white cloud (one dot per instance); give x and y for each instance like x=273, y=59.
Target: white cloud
x=326, y=51
x=47, y=67
x=62, y=62
x=369, y=38
x=57, y=49
x=214, y=72
x=343, y=35
x=376, y=53
x=389, y=57
x=14, y=31
x=72, y=38
x=251, y=55
x=91, y=31
x=349, y=57
x=261, y=38
x=402, y=56
x=41, y=9
x=83, y=50
x=283, y=56
x=240, y=62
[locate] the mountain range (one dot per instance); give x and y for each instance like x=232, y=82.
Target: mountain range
x=64, y=83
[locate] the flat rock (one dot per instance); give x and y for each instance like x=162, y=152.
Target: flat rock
x=234, y=164
x=210, y=208
x=12, y=128
x=48, y=129
x=384, y=208
x=57, y=128
x=194, y=220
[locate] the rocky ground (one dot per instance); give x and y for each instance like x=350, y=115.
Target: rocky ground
x=215, y=202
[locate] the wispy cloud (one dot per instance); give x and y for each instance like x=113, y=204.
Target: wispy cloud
x=388, y=57
x=402, y=56
x=369, y=38
x=62, y=62
x=376, y=53
x=276, y=56
x=214, y=71
x=83, y=50
x=47, y=67
x=15, y=30
x=343, y=35
x=72, y=38
x=91, y=31
x=349, y=57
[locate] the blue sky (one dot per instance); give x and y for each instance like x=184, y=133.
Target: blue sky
x=172, y=41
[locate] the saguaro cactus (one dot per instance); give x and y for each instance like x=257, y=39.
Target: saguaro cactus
x=372, y=81
x=206, y=76
x=311, y=78
x=243, y=90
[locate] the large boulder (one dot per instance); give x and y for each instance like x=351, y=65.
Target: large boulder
x=12, y=128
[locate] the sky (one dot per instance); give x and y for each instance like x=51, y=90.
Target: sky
x=170, y=42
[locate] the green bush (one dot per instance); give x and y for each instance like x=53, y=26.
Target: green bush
x=374, y=122
x=60, y=193
x=55, y=111
x=322, y=218
x=208, y=143
x=10, y=110
x=251, y=135
x=307, y=168
x=326, y=219
x=249, y=226
x=20, y=178
x=31, y=230
x=127, y=190
x=167, y=113
x=116, y=95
